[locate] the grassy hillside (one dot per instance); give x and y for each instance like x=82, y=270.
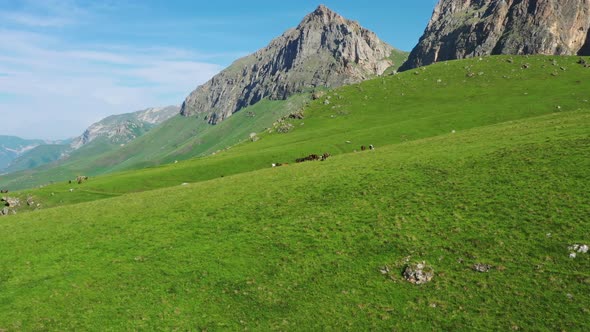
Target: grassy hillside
x=300, y=247
x=398, y=58
x=182, y=137
x=412, y=105
x=176, y=139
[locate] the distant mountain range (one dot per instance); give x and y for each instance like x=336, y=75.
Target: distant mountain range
x=120, y=129
x=17, y=154
x=325, y=50
x=12, y=147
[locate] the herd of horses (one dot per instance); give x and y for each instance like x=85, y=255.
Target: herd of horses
x=314, y=156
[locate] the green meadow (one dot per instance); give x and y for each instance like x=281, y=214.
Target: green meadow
x=476, y=161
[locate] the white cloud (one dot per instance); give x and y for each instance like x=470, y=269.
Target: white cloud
x=34, y=20
x=56, y=90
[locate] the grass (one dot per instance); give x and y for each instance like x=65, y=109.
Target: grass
x=300, y=247
x=387, y=110
x=177, y=139
x=488, y=168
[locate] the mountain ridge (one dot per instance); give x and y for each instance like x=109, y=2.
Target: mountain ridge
x=324, y=50
x=122, y=128
x=460, y=29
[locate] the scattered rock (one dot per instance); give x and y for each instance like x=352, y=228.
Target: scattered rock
x=81, y=178
x=296, y=115
x=419, y=273
x=30, y=201
x=317, y=95
x=10, y=201
x=479, y=267
x=284, y=128
x=326, y=102
x=580, y=248
x=4, y=211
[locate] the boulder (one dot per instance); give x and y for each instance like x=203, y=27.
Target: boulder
x=11, y=201
x=479, y=267
x=418, y=273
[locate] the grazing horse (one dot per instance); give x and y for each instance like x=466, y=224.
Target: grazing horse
x=308, y=158
x=363, y=148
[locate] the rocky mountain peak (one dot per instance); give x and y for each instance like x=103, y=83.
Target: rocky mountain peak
x=468, y=28
x=323, y=15
x=325, y=49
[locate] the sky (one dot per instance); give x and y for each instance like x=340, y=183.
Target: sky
x=65, y=64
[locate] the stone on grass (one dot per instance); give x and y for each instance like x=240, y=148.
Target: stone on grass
x=11, y=201
x=578, y=248
x=479, y=267
x=418, y=273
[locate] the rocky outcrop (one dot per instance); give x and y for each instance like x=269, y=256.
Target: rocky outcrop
x=418, y=273
x=324, y=50
x=123, y=128
x=467, y=28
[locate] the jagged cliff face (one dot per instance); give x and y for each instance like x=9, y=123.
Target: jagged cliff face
x=324, y=50
x=123, y=128
x=468, y=28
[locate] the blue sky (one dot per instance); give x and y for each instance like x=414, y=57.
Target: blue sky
x=65, y=64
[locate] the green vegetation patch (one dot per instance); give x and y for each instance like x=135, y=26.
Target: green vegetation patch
x=302, y=247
